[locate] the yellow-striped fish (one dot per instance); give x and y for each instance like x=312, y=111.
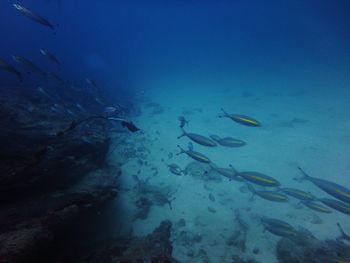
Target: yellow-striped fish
x=242, y=119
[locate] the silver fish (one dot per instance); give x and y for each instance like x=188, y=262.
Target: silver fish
x=33, y=16
x=50, y=56
x=26, y=62
x=91, y=83
x=9, y=68
x=56, y=77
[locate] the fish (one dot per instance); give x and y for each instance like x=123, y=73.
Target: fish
x=272, y=222
x=337, y=205
x=229, y=173
x=317, y=207
x=27, y=63
x=175, y=169
x=338, y=191
x=98, y=100
x=228, y=141
x=42, y=91
x=9, y=68
x=91, y=83
x=50, y=56
x=343, y=236
x=268, y=195
x=183, y=121
x=282, y=232
x=259, y=178
x=56, y=77
x=130, y=126
x=34, y=16
x=301, y=195
x=194, y=155
x=80, y=107
x=110, y=109
x=242, y=119
x=198, y=139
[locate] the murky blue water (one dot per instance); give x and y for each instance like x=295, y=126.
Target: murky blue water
x=286, y=64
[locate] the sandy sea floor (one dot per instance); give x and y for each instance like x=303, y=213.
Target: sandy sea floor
x=299, y=128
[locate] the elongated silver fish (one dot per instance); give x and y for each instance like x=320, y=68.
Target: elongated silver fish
x=54, y=76
x=200, y=139
x=91, y=83
x=272, y=222
x=50, y=56
x=259, y=178
x=242, y=119
x=229, y=173
x=26, y=62
x=9, y=68
x=338, y=191
x=33, y=16
x=194, y=155
x=301, y=195
x=268, y=195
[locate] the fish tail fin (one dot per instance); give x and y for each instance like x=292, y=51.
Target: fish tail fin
x=342, y=233
x=225, y=113
x=231, y=166
x=252, y=190
x=183, y=134
x=305, y=175
x=181, y=150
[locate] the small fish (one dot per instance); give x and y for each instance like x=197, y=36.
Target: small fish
x=269, y=195
x=9, y=68
x=228, y=141
x=175, y=169
x=211, y=197
x=42, y=91
x=282, y=232
x=242, y=119
x=56, y=77
x=259, y=178
x=337, y=205
x=50, y=56
x=98, y=100
x=317, y=207
x=343, y=236
x=338, y=191
x=194, y=155
x=80, y=107
x=272, y=222
x=301, y=195
x=198, y=139
x=229, y=173
x=110, y=110
x=33, y=16
x=183, y=121
x=27, y=63
x=91, y=83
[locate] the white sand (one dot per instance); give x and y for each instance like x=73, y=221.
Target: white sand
x=320, y=146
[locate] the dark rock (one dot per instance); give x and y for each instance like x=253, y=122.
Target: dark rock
x=306, y=248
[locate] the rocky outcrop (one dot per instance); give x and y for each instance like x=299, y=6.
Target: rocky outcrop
x=50, y=175
x=306, y=248
x=155, y=247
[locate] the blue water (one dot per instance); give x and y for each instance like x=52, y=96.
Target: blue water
x=284, y=63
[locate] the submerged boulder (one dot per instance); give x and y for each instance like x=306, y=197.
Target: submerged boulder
x=306, y=248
